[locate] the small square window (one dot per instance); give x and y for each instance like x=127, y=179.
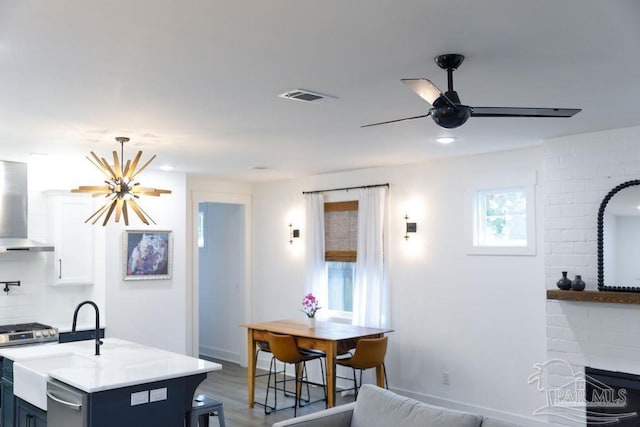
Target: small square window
x=502, y=217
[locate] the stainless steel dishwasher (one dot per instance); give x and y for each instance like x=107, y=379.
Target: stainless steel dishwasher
x=66, y=406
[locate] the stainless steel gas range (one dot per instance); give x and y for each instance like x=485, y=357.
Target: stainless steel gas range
x=27, y=333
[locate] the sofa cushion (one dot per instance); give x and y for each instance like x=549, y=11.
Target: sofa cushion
x=379, y=407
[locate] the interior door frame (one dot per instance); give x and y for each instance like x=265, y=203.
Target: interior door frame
x=193, y=328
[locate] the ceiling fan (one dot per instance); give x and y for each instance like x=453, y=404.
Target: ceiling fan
x=447, y=110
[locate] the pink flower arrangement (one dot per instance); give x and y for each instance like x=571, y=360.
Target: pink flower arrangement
x=310, y=305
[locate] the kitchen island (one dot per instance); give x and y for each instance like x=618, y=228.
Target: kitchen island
x=129, y=384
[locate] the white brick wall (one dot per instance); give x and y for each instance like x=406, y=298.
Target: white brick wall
x=578, y=172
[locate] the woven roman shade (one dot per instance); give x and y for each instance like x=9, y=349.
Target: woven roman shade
x=341, y=231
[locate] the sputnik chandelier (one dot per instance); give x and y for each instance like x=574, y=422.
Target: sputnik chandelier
x=121, y=189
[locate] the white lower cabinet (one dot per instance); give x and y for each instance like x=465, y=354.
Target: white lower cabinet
x=72, y=238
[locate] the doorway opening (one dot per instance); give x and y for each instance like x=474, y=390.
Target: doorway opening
x=221, y=278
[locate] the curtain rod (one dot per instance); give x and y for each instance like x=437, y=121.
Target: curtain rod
x=347, y=188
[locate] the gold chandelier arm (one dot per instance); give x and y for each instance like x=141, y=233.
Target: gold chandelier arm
x=90, y=188
x=134, y=164
x=111, y=208
x=100, y=211
x=125, y=173
x=108, y=167
x=143, y=167
x=116, y=165
x=149, y=191
x=98, y=165
x=119, y=204
x=138, y=210
x=103, y=166
x=125, y=214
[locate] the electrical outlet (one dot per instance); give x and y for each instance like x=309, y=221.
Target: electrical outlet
x=445, y=378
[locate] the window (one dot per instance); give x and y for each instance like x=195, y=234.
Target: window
x=502, y=215
x=200, y=229
x=340, y=277
x=341, y=242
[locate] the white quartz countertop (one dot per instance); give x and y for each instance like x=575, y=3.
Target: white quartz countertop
x=120, y=364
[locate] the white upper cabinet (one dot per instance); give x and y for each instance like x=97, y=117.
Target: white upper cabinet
x=72, y=238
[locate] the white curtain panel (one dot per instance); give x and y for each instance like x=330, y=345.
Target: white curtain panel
x=371, y=305
x=316, y=270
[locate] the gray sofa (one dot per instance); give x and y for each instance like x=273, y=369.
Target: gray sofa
x=376, y=406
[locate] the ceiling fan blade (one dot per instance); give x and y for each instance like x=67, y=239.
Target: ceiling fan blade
x=397, y=120
x=523, y=112
x=424, y=88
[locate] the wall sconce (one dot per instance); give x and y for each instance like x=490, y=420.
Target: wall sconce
x=411, y=227
x=293, y=233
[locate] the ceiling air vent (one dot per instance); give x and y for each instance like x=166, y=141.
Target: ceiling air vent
x=307, y=96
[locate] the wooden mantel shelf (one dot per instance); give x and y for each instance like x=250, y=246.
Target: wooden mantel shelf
x=595, y=296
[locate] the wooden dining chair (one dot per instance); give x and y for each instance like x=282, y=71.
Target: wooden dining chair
x=369, y=353
x=285, y=349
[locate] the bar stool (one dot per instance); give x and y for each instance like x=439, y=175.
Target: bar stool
x=369, y=353
x=263, y=346
x=285, y=349
x=203, y=407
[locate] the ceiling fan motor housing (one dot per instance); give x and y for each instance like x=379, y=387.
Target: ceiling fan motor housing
x=448, y=112
x=451, y=117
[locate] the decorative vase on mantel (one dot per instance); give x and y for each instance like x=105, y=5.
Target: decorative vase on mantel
x=565, y=282
x=311, y=322
x=578, y=284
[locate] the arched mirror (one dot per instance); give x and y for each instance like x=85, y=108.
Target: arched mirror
x=619, y=239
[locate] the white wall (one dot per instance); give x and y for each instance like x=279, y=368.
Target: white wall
x=579, y=172
x=151, y=312
x=480, y=318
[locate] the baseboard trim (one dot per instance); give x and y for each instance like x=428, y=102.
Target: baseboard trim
x=214, y=353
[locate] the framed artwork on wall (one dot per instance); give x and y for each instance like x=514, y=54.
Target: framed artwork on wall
x=147, y=255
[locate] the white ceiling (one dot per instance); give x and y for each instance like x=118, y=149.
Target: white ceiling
x=196, y=81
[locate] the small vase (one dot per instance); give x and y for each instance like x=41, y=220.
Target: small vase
x=565, y=282
x=578, y=284
x=311, y=322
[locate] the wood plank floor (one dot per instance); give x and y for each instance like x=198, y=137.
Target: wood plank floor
x=230, y=386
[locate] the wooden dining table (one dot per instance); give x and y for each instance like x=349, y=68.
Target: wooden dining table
x=330, y=337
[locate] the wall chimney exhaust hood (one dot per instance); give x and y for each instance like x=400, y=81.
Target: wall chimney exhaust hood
x=13, y=210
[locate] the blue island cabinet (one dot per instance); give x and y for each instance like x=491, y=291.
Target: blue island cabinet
x=27, y=415
x=160, y=403
x=7, y=404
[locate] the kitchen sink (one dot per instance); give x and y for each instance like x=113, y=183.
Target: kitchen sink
x=30, y=375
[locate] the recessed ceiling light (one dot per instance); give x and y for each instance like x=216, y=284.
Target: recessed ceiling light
x=260, y=168
x=445, y=139
x=167, y=167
